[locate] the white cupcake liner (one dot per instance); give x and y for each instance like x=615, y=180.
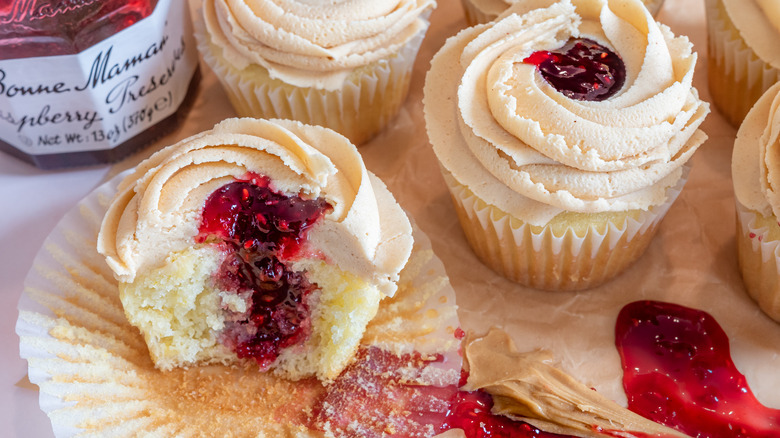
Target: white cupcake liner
x=759, y=261
x=369, y=99
x=94, y=371
x=542, y=260
x=737, y=76
x=475, y=15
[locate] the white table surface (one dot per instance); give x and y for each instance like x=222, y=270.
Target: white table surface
x=31, y=203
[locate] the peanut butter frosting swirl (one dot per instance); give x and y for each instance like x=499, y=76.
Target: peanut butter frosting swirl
x=312, y=43
x=158, y=207
x=756, y=158
x=758, y=23
x=540, y=152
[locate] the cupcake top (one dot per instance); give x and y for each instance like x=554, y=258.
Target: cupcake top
x=613, y=137
x=496, y=7
x=158, y=207
x=312, y=43
x=756, y=156
x=758, y=22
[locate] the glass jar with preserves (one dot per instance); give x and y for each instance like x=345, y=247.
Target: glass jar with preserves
x=89, y=81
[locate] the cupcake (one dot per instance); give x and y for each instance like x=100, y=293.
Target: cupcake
x=96, y=377
x=744, y=54
x=560, y=175
x=755, y=172
x=264, y=240
x=482, y=11
x=342, y=65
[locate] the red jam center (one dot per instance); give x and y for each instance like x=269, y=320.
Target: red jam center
x=582, y=69
x=63, y=27
x=263, y=230
x=678, y=372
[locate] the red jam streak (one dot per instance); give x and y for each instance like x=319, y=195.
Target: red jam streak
x=63, y=27
x=582, y=70
x=470, y=411
x=373, y=398
x=678, y=372
x=263, y=229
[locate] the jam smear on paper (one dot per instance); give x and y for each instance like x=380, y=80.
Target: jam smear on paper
x=470, y=412
x=374, y=397
x=50, y=28
x=677, y=371
x=582, y=69
x=378, y=396
x=262, y=229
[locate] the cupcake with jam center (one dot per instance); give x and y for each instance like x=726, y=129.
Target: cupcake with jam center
x=258, y=240
x=744, y=54
x=755, y=170
x=563, y=130
x=345, y=65
x=482, y=11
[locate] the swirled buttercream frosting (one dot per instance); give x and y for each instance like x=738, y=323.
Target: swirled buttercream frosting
x=758, y=22
x=755, y=173
x=312, y=43
x=515, y=139
x=258, y=239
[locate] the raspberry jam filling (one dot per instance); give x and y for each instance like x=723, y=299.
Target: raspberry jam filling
x=677, y=371
x=263, y=229
x=582, y=70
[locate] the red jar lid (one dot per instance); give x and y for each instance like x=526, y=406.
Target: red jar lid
x=30, y=28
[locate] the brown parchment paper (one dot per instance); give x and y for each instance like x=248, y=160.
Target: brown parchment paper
x=692, y=261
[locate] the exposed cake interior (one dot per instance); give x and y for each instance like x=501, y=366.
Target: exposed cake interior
x=251, y=288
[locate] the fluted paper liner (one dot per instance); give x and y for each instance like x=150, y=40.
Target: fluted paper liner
x=759, y=261
x=96, y=377
x=369, y=99
x=475, y=15
x=542, y=260
x=737, y=76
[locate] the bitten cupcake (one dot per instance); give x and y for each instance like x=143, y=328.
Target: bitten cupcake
x=755, y=170
x=744, y=53
x=95, y=374
x=482, y=11
x=345, y=65
x=561, y=173
x=264, y=240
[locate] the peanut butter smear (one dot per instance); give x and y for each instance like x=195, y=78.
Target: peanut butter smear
x=524, y=386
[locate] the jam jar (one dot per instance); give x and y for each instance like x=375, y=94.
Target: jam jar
x=89, y=81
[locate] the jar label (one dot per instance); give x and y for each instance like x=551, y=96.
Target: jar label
x=105, y=95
